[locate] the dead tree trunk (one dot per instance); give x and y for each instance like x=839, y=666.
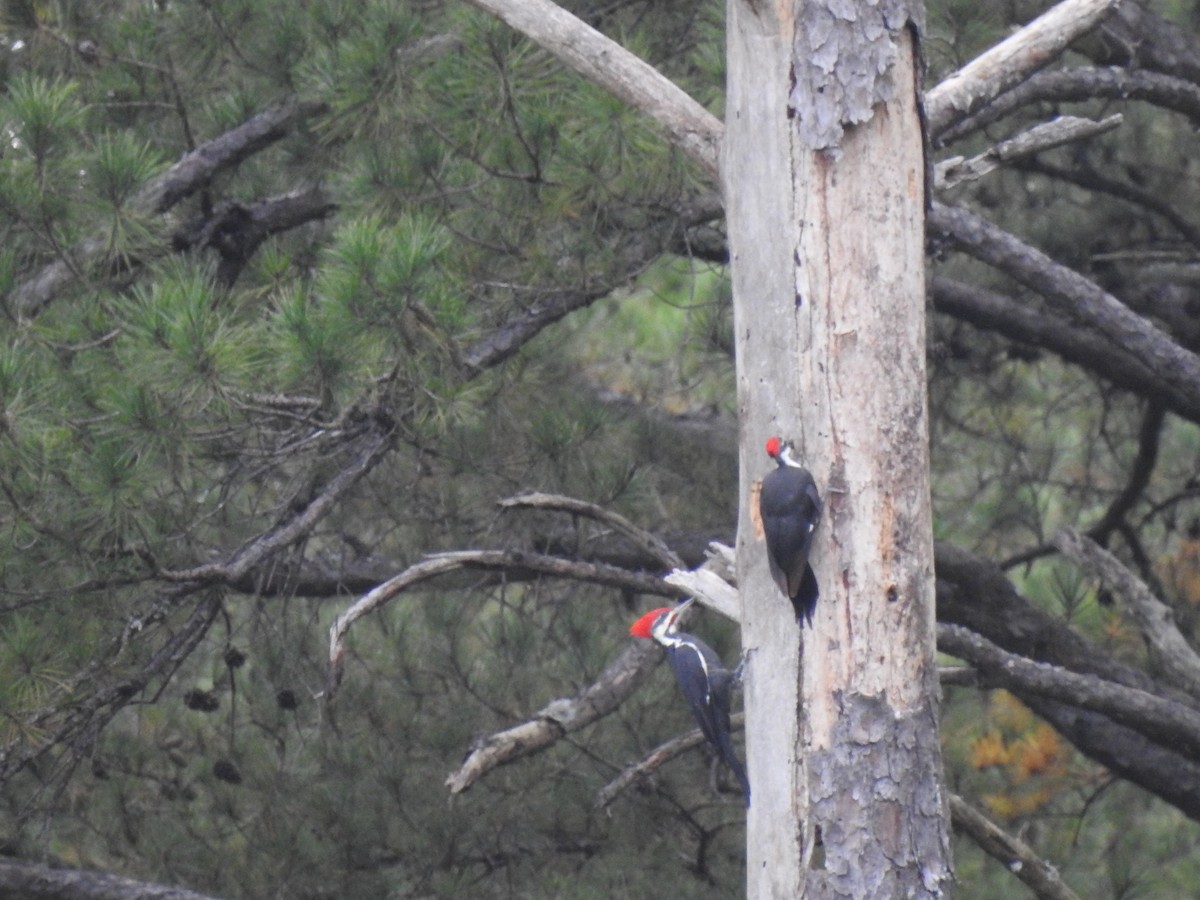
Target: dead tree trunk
x=824, y=180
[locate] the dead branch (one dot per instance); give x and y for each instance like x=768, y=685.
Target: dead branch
x=1074, y=295
x=503, y=560
x=713, y=584
x=36, y=881
x=1044, y=136
x=1170, y=649
x=602, y=61
x=1167, y=722
x=560, y=717
x=656, y=759
x=647, y=541
x=1012, y=60
x=1076, y=85
x=1014, y=854
x=1028, y=323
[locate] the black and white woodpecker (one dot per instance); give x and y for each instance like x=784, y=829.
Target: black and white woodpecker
x=702, y=677
x=790, y=509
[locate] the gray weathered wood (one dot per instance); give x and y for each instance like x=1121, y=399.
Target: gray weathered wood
x=828, y=271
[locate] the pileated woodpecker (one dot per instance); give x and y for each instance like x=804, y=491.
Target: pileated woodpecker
x=790, y=509
x=703, y=679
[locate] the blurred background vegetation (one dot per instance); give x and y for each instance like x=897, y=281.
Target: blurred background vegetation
x=499, y=279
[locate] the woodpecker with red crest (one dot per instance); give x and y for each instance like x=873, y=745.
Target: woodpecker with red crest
x=790, y=509
x=702, y=677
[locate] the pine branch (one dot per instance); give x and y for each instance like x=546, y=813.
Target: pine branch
x=237, y=230
x=192, y=173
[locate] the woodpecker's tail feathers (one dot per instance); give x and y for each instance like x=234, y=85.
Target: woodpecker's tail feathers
x=725, y=748
x=805, y=600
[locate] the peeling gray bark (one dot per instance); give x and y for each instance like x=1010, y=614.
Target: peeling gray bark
x=842, y=52
x=870, y=763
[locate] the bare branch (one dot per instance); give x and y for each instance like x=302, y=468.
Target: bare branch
x=1012, y=60
x=1080, y=84
x=1031, y=324
x=1140, y=472
x=504, y=560
x=561, y=717
x=712, y=584
x=1044, y=136
x=1014, y=854
x=647, y=541
x=557, y=719
x=35, y=881
x=976, y=593
x=1136, y=38
x=657, y=758
x=374, y=448
x=1076, y=296
x=1167, y=722
x=1089, y=179
x=1170, y=649
x=690, y=126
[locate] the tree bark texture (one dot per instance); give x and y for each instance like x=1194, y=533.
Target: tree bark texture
x=824, y=179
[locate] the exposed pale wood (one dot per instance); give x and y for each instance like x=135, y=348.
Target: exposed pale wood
x=690, y=126
x=710, y=590
x=1010, y=61
x=761, y=220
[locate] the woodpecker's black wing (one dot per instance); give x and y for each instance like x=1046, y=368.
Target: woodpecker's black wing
x=706, y=686
x=790, y=508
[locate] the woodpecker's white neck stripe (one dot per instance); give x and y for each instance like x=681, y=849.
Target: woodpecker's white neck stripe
x=785, y=457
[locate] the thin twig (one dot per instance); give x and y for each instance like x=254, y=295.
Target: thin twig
x=1015, y=855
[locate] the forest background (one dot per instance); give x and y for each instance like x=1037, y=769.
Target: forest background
x=295, y=295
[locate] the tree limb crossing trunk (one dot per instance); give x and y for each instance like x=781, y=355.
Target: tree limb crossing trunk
x=824, y=179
